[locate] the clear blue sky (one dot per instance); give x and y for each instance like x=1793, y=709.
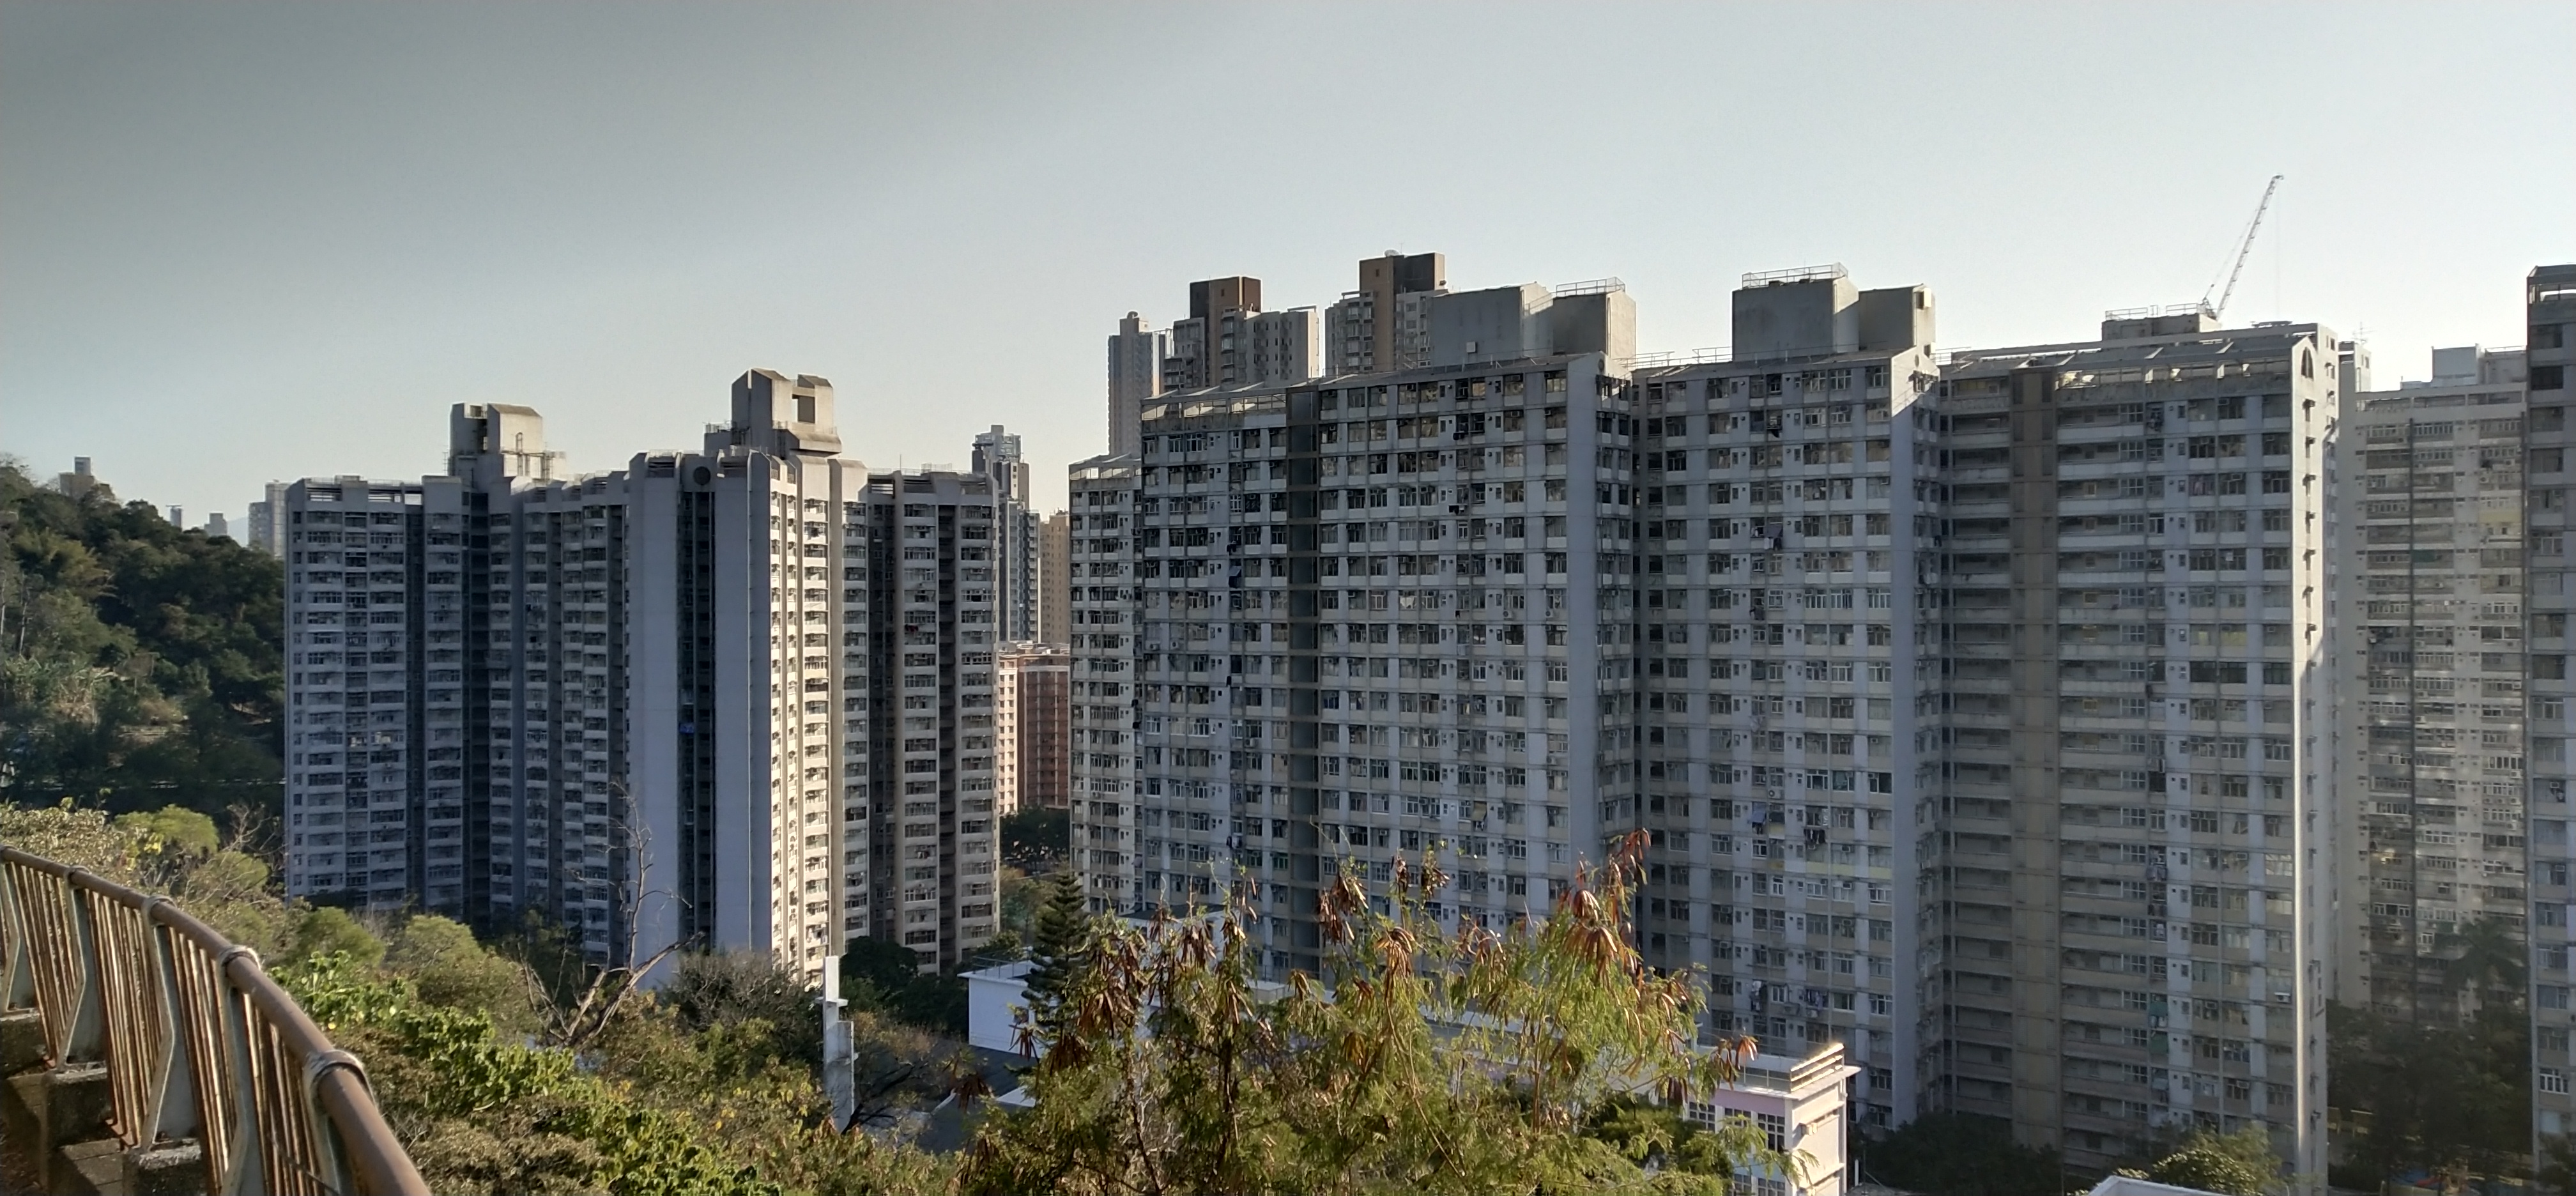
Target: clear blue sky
x=249, y=242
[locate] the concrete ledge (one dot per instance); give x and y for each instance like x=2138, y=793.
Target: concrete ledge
x=56, y=1120
x=22, y=1041
x=168, y=1169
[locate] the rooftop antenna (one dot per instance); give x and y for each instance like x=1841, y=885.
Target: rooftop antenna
x=2236, y=264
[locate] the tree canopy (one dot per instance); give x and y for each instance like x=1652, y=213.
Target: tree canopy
x=1424, y=1060
x=140, y=664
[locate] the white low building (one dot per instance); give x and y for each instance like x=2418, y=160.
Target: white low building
x=1801, y=1106
x=996, y=1000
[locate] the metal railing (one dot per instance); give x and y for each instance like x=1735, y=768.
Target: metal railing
x=197, y=1040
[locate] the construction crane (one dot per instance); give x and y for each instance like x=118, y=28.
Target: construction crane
x=2244, y=246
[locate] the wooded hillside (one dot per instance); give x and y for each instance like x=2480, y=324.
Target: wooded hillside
x=140, y=663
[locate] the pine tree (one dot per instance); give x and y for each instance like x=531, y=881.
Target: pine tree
x=1062, y=949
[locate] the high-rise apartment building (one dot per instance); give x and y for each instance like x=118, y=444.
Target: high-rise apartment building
x=1385, y=324
x=362, y=807
x=1136, y=355
x=1032, y=691
x=738, y=698
x=1055, y=564
x=1787, y=641
x=1976, y=708
x=997, y=456
x=2550, y=356
x=1354, y=621
x=2429, y=528
x=1103, y=601
x=935, y=540
x=2135, y=865
x=1207, y=348
x=80, y=481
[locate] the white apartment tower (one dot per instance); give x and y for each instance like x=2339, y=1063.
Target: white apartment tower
x=1354, y=621
x=653, y=705
x=1787, y=642
x=1102, y=602
x=1976, y=707
x=265, y=521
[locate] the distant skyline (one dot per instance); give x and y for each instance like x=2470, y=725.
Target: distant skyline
x=251, y=242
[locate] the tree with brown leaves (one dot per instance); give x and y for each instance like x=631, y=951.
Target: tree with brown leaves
x=1423, y=1060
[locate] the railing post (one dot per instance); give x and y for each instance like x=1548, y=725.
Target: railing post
x=173, y=1088
x=247, y=1174
x=88, y=1013
x=18, y=980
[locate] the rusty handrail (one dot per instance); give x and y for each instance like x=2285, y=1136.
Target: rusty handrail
x=198, y=1040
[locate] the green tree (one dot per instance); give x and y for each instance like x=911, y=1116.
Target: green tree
x=883, y=976
x=1034, y=837
x=1961, y=1154
x=712, y=989
x=1062, y=950
x=2444, y=1092
x=140, y=664
x=447, y=967
x=2237, y=1164
x=1424, y=1060
x=332, y=931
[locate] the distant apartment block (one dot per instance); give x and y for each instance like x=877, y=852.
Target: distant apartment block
x=1055, y=564
x=1136, y=355
x=2429, y=511
x=80, y=481
x=2550, y=356
x=1032, y=691
x=264, y=523
x=997, y=456
x=1103, y=602
x=738, y=697
x=1385, y=324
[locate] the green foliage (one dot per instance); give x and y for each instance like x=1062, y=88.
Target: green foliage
x=1062, y=950
x=448, y=1084
x=2441, y=1093
x=1436, y=1062
x=173, y=829
x=1961, y=1154
x=715, y=1097
x=140, y=664
x=1035, y=836
x=2237, y=1164
x=713, y=991
x=446, y=967
x=332, y=931
x=881, y=976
